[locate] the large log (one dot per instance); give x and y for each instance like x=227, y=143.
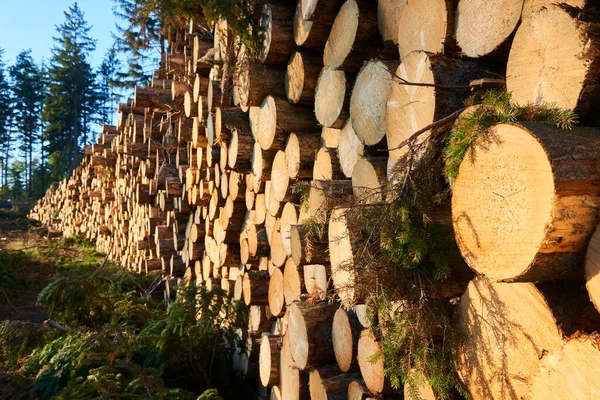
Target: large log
x=426, y=25
x=564, y=72
x=256, y=288
x=533, y=190
x=571, y=374
x=353, y=35
x=276, y=293
x=372, y=370
x=411, y=108
x=504, y=342
x=388, y=18
x=309, y=329
x=485, y=27
x=256, y=81
x=368, y=101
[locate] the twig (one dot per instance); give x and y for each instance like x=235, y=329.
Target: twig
x=429, y=127
x=56, y=325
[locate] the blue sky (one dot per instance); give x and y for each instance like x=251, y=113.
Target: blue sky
x=31, y=24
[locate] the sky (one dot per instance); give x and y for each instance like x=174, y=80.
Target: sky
x=30, y=24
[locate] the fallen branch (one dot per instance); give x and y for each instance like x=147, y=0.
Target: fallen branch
x=433, y=125
x=56, y=325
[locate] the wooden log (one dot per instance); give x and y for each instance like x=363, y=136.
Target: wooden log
x=571, y=374
x=368, y=101
x=289, y=217
x=345, y=332
x=312, y=34
x=320, y=9
x=256, y=288
x=388, y=17
x=488, y=30
x=270, y=354
x=258, y=320
x=342, y=247
x=293, y=381
x=327, y=166
x=293, y=281
x=353, y=34
x=278, y=256
x=276, y=117
x=372, y=372
x=149, y=97
x=310, y=333
x=504, y=342
x=280, y=178
x=411, y=108
x=349, y=150
x=300, y=153
x=301, y=77
x=530, y=7
x=316, y=280
x=315, y=252
x=327, y=382
x=277, y=28
x=426, y=26
x=257, y=81
x=369, y=180
x=565, y=71
x=240, y=151
x=550, y=182
x=261, y=163
x=592, y=268
x=323, y=196
x=332, y=98
x=276, y=296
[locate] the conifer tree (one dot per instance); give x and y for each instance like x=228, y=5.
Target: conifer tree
x=5, y=121
x=108, y=85
x=72, y=100
x=27, y=88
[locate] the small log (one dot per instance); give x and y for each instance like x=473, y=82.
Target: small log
x=309, y=330
x=300, y=152
x=353, y=35
x=301, y=77
x=350, y=149
x=332, y=98
x=270, y=353
x=345, y=332
x=256, y=288
x=327, y=382
x=276, y=296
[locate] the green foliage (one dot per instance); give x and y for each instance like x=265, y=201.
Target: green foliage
x=72, y=102
x=489, y=109
x=122, y=341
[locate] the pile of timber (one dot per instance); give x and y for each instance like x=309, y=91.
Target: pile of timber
x=199, y=181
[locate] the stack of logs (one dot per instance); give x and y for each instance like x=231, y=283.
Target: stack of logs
x=199, y=180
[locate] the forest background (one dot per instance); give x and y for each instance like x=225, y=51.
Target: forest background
x=53, y=105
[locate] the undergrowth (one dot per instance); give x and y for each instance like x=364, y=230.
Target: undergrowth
x=408, y=268
x=108, y=335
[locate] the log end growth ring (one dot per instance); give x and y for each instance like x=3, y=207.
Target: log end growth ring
x=502, y=203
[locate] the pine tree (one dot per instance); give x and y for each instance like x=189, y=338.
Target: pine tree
x=5, y=122
x=27, y=88
x=72, y=100
x=109, y=84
